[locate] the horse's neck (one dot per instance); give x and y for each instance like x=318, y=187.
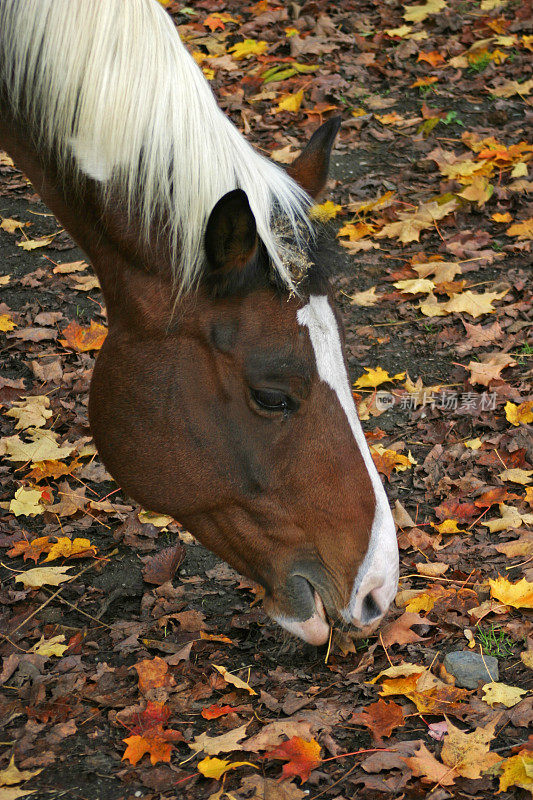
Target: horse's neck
x=130, y=272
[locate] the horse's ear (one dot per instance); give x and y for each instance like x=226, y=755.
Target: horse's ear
x=231, y=233
x=311, y=167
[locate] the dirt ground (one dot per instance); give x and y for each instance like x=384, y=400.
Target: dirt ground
x=67, y=714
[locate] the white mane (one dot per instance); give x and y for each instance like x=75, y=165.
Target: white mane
x=110, y=83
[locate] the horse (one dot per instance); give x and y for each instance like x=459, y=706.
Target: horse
x=221, y=395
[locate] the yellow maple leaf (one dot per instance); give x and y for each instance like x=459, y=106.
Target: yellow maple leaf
x=415, y=286
x=510, y=518
x=30, y=412
x=364, y=299
x=217, y=767
x=517, y=595
x=290, y=102
x=325, y=211
x=467, y=754
x=502, y=693
x=50, y=647
x=521, y=414
x=26, y=502
x=502, y=217
x=389, y=119
x=517, y=475
x=524, y=229
x=419, y=13
x=42, y=447
x=250, y=47
x=12, y=225
x=375, y=377
x=448, y=526
x=356, y=231
x=517, y=771
x=70, y=548
x=478, y=191
x=33, y=244
x=39, y=576
x=12, y=775
x=6, y=323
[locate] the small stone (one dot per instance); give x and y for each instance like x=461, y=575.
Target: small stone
x=470, y=668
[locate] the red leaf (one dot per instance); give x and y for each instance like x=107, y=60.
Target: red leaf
x=302, y=756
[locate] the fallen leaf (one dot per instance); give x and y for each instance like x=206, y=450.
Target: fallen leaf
x=26, y=502
x=489, y=369
x=302, y=757
x=380, y=718
x=467, y=754
x=217, y=767
x=213, y=745
x=6, y=323
x=83, y=339
x=415, y=286
x=510, y=518
x=50, y=647
x=424, y=765
x=519, y=414
x=30, y=411
x=364, y=299
x=524, y=230
x=11, y=775
x=419, y=13
x=375, y=377
x=290, y=102
x=517, y=771
x=250, y=47
x=522, y=476
x=215, y=711
x=33, y=244
x=502, y=693
x=71, y=548
x=234, y=680
x=325, y=211
x=517, y=595
x=41, y=576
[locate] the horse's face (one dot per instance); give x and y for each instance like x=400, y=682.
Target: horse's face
x=289, y=493
x=239, y=421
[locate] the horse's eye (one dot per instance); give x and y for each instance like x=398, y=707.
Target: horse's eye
x=274, y=400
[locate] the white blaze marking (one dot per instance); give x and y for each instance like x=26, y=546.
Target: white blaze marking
x=379, y=570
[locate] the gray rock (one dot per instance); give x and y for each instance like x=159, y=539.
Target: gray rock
x=470, y=668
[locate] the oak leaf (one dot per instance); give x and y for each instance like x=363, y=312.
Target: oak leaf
x=302, y=757
x=84, y=338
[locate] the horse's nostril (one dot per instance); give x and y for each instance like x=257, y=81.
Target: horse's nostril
x=370, y=610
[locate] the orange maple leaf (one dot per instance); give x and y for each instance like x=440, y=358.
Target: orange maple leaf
x=33, y=549
x=302, y=757
x=153, y=674
x=86, y=338
x=213, y=23
x=215, y=711
x=156, y=741
x=433, y=58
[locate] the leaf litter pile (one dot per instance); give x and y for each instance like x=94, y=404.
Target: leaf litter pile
x=133, y=662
